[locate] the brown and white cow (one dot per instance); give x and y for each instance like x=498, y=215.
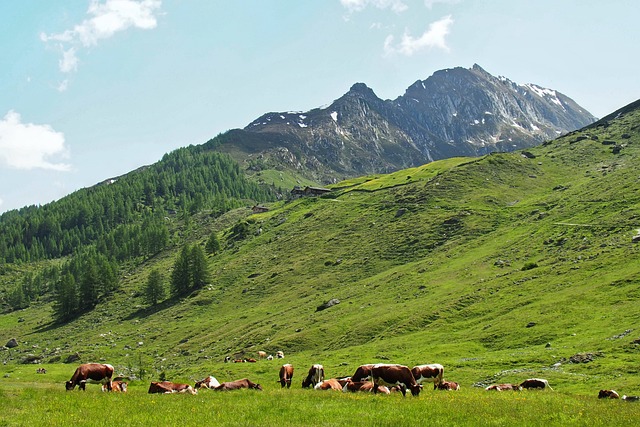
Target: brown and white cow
x=448, y=385
x=330, y=384
x=504, y=387
x=535, y=383
x=209, y=382
x=362, y=373
x=168, y=387
x=429, y=373
x=364, y=386
x=392, y=375
x=631, y=398
x=90, y=372
x=608, y=394
x=118, y=386
x=238, y=384
x=315, y=375
x=279, y=354
x=286, y=374
x=262, y=354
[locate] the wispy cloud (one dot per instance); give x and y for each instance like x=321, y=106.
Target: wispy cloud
x=28, y=146
x=433, y=37
x=359, y=5
x=430, y=3
x=105, y=20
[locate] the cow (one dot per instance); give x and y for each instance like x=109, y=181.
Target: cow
x=238, y=384
x=316, y=374
x=270, y=357
x=430, y=373
x=330, y=384
x=167, y=387
x=90, y=372
x=535, y=383
x=209, y=382
x=503, y=387
x=391, y=375
x=448, y=385
x=363, y=372
x=631, y=398
x=116, y=385
x=262, y=354
x=364, y=386
x=41, y=371
x=286, y=374
x=608, y=394
x=250, y=360
x=279, y=355
x=227, y=359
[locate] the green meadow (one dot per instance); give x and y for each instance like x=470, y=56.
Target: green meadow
x=501, y=268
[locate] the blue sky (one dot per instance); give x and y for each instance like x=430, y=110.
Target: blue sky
x=93, y=89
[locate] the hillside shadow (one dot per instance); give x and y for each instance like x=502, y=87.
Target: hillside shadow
x=152, y=309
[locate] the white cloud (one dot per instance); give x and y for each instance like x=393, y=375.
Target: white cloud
x=430, y=3
x=28, y=146
x=359, y=5
x=105, y=20
x=433, y=37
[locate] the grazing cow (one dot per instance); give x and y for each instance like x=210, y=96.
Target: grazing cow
x=448, y=385
x=262, y=354
x=330, y=384
x=279, y=354
x=316, y=374
x=362, y=373
x=118, y=385
x=90, y=372
x=238, y=384
x=535, y=383
x=270, y=357
x=608, y=394
x=430, y=373
x=503, y=387
x=209, y=382
x=41, y=371
x=250, y=360
x=364, y=386
x=168, y=387
x=227, y=359
x=286, y=374
x=631, y=398
x=391, y=375
x=239, y=360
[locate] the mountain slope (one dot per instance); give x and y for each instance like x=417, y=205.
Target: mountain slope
x=499, y=267
x=455, y=112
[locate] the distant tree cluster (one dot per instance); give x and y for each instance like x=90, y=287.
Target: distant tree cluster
x=190, y=271
x=115, y=215
x=84, y=281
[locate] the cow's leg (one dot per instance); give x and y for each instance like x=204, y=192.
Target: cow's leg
x=82, y=385
x=403, y=389
x=375, y=387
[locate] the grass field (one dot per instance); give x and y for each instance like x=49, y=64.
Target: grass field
x=33, y=401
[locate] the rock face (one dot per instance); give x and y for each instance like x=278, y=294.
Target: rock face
x=455, y=112
x=12, y=343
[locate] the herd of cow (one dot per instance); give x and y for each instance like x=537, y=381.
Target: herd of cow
x=376, y=378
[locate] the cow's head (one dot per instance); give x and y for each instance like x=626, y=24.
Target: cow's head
x=415, y=389
x=256, y=386
x=69, y=385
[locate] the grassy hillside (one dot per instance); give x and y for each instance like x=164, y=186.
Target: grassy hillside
x=500, y=268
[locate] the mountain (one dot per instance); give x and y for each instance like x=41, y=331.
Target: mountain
x=455, y=112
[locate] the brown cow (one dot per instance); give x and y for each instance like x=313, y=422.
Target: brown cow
x=250, y=360
x=286, y=374
x=608, y=394
x=430, y=373
x=209, y=382
x=90, y=372
x=116, y=385
x=362, y=373
x=262, y=354
x=535, y=383
x=238, y=384
x=330, y=384
x=168, y=387
x=503, y=387
x=448, y=385
x=316, y=374
x=391, y=375
x=364, y=386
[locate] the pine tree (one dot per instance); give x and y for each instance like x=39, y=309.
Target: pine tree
x=154, y=290
x=180, y=277
x=213, y=244
x=66, y=298
x=198, y=267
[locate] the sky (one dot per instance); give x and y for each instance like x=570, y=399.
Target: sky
x=93, y=89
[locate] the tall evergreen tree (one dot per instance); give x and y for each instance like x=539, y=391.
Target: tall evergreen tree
x=198, y=267
x=180, y=277
x=213, y=244
x=66, y=298
x=154, y=290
